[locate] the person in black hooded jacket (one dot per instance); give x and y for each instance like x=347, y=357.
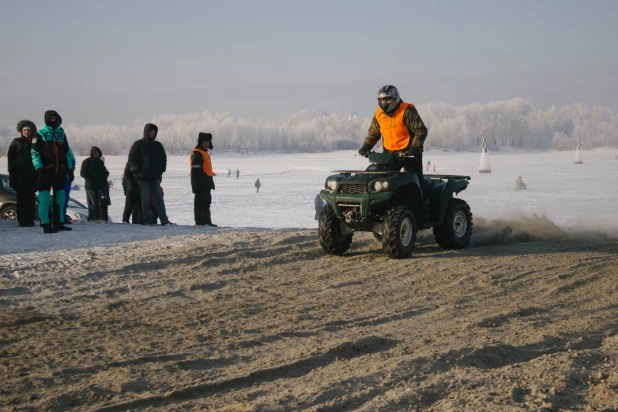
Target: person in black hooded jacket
x=22, y=175
x=95, y=174
x=54, y=161
x=148, y=162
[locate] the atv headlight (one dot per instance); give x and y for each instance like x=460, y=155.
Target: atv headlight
x=379, y=186
x=331, y=185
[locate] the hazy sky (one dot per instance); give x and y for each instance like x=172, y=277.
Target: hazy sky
x=108, y=61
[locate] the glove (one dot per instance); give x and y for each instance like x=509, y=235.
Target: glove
x=413, y=151
x=71, y=175
x=213, y=184
x=364, y=151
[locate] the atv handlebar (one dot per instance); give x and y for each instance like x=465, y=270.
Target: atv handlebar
x=401, y=155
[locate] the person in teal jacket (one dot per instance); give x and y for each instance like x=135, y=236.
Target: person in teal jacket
x=53, y=161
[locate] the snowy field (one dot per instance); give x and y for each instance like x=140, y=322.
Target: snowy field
x=570, y=195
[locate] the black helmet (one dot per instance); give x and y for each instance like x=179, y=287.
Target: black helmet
x=388, y=92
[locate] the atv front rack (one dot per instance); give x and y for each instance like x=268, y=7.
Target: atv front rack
x=365, y=172
x=450, y=177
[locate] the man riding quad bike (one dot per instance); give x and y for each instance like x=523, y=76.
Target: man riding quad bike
x=391, y=203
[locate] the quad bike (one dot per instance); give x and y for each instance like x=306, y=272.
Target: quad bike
x=394, y=206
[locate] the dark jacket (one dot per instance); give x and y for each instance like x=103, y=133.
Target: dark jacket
x=129, y=183
x=148, y=157
x=94, y=171
x=200, y=181
x=22, y=175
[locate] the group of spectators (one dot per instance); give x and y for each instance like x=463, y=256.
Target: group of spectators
x=42, y=160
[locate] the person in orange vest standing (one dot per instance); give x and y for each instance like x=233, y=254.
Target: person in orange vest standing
x=202, y=181
x=401, y=128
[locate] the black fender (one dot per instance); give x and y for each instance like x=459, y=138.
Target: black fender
x=445, y=192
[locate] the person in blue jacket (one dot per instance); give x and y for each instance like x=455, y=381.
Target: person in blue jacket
x=53, y=160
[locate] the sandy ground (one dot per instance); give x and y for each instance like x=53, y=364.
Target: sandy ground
x=522, y=320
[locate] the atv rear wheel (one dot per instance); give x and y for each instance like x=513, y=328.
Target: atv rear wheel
x=456, y=229
x=399, y=233
x=329, y=232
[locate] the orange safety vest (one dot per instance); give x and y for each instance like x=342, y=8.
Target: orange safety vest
x=206, y=166
x=395, y=134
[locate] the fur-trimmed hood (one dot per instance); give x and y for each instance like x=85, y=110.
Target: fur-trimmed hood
x=26, y=123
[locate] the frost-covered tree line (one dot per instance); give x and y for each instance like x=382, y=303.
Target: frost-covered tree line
x=518, y=123
x=513, y=123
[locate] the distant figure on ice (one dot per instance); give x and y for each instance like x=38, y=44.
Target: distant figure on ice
x=519, y=184
x=427, y=166
x=229, y=173
x=237, y=174
x=202, y=181
x=434, y=168
x=257, y=185
x=319, y=206
x=616, y=157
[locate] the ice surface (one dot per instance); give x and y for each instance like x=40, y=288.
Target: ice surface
x=570, y=195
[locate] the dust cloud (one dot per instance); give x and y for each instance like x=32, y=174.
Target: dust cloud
x=534, y=228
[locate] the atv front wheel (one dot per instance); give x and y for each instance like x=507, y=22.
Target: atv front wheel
x=456, y=229
x=329, y=232
x=399, y=233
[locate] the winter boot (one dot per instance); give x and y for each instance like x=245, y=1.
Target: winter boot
x=47, y=228
x=207, y=220
x=58, y=221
